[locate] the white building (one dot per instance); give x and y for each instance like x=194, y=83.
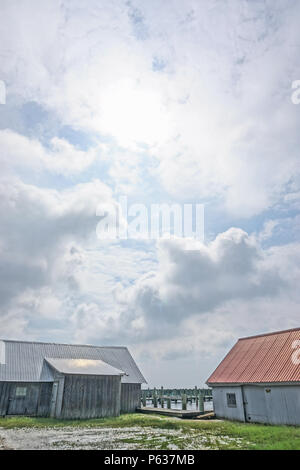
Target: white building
x=259, y=380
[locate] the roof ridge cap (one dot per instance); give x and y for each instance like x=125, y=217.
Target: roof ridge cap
x=62, y=344
x=269, y=334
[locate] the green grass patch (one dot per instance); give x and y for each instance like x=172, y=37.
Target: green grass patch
x=210, y=434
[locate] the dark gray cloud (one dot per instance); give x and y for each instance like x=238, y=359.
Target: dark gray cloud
x=193, y=281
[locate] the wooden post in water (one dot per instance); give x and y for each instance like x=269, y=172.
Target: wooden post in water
x=201, y=402
x=155, y=400
x=184, y=400
x=169, y=403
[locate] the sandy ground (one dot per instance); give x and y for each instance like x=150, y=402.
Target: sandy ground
x=107, y=439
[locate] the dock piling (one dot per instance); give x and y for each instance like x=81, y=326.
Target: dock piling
x=184, y=401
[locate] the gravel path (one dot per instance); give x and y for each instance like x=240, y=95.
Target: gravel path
x=101, y=438
x=81, y=438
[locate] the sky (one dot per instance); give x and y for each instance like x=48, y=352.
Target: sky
x=161, y=102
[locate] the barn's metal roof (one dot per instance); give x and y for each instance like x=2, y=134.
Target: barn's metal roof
x=24, y=361
x=268, y=358
x=83, y=366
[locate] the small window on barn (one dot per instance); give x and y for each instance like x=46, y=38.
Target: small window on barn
x=21, y=391
x=231, y=400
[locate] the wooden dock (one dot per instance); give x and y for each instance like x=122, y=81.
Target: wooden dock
x=184, y=414
x=185, y=398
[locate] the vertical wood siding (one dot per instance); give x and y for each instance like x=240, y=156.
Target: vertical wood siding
x=35, y=403
x=91, y=396
x=82, y=397
x=130, y=397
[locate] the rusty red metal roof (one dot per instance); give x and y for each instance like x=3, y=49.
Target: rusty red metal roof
x=268, y=358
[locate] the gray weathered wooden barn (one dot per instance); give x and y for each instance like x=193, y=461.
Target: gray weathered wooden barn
x=259, y=380
x=67, y=381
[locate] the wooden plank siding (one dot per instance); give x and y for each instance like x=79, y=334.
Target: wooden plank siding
x=130, y=397
x=81, y=397
x=87, y=396
x=35, y=403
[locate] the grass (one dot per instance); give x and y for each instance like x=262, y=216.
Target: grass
x=187, y=434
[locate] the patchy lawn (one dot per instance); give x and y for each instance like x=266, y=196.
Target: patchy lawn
x=138, y=431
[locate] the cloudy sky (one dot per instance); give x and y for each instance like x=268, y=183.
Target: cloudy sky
x=161, y=102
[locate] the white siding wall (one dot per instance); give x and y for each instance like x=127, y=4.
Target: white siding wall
x=221, y=408
x=273, y=404
x=277, y=404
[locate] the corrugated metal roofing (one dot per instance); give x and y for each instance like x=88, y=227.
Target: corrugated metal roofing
x=24, y=361
x=260, y=359
x=83, y=366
